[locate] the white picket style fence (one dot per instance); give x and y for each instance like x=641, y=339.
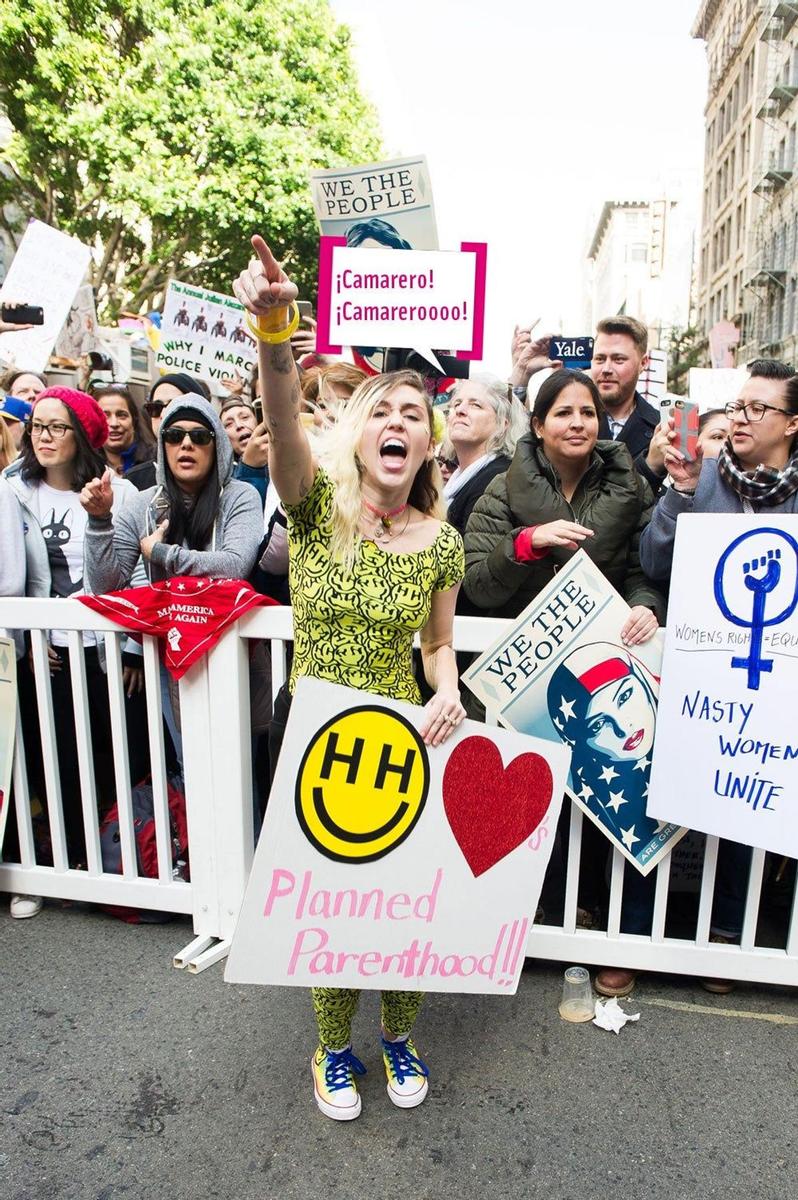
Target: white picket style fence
x=214, y=703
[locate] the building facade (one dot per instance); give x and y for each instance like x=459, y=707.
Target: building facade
x=748, y=261
x=640, y=262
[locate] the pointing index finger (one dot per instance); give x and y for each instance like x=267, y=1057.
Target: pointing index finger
x=269, y=263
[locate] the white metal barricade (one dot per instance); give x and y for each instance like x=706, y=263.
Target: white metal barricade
x=215, y=720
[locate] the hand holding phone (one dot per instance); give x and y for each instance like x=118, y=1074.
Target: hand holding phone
x=21, y=316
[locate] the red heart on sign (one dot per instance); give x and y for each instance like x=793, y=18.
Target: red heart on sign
x=491, y=808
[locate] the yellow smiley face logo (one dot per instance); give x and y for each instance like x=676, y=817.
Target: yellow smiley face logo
x=362, y=784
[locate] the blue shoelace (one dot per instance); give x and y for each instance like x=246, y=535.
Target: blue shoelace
x=403, y=1062
x=340, y=1065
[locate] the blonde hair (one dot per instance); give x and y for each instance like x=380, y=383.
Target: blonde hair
x=8, y=451
x=337, y=451
x=339, y=374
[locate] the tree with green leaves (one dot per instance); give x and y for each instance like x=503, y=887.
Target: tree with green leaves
x=686, y=348
x=165, y=132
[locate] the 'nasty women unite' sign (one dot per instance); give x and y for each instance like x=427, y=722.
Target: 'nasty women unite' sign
x=726, y=753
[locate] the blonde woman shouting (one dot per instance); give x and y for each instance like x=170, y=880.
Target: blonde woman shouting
x=371, y=564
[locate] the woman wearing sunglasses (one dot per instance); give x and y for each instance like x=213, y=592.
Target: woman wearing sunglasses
x=196, y=520
x=167, y=389
x=61, y=450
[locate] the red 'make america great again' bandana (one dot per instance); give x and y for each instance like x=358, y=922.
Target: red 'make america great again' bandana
x=190, y=613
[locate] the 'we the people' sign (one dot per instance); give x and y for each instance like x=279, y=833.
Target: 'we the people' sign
x=384, y=863
x=561, y=671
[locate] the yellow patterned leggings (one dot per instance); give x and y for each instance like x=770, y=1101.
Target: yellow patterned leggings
x=335, y=1008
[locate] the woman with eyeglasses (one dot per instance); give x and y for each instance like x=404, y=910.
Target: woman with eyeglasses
x=59, y=453
x=484, y=422
x=756, y=471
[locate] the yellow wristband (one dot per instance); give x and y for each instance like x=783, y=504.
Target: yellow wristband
x=273, y=339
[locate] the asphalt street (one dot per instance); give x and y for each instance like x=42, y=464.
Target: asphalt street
x=122, y=1077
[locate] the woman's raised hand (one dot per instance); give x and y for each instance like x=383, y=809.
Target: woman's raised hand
x=97, y=496
x=264, y=285
x=684, y=472
x=559, y=533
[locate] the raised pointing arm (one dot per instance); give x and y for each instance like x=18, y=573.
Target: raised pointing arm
x=265, y=290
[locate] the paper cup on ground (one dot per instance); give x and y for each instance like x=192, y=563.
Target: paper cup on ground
x=577, y=995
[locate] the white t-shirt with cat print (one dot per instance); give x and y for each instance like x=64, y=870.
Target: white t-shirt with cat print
x=63, y=523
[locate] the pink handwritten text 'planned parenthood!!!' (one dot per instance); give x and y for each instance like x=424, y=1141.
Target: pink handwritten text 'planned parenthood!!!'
x=408, y=299
x=324, y=918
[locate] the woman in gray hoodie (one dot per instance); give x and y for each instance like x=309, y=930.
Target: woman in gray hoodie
x=197, y=520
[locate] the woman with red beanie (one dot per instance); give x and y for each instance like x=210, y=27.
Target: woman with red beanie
x=59, y=453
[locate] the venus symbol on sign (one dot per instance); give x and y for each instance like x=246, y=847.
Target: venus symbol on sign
x=757, y=564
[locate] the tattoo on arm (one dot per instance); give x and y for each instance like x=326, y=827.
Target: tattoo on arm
x=282, y=359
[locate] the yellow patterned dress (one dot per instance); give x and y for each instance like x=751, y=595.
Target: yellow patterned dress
x=357, y=629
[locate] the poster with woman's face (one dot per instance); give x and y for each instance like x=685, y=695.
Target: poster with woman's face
x=376, y=206
x=561, y=672
x=8, y=716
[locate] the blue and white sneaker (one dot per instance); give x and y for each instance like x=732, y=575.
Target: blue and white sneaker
x=334, y=1082
x=406, y=1073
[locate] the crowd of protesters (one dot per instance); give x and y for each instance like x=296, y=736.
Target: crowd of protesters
x=323, y=464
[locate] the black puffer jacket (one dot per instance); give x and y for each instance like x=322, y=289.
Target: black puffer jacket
x=612, y=499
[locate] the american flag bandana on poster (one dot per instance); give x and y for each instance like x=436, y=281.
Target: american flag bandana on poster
x=190, y=613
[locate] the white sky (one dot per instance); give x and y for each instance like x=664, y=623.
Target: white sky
x=531, y=115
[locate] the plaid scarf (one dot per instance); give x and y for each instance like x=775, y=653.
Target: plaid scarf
x=765, y=485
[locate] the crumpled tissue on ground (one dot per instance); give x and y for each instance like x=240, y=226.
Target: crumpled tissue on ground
x=610, y=1015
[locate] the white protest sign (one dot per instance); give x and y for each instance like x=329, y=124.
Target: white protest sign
x=652, y=383
x=79, y=334
x=385, y=204
x=384, y=863
x=726, y=752
x=414, y=299
x=711, y=389
x=204, y=333
x=8, y=718
x=561, y=672
x=47, y=270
